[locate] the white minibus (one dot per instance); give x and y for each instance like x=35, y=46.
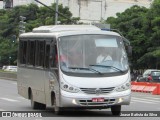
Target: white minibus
x=74, y=67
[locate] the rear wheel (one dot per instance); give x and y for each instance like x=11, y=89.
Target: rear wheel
x=116, y=109
x=42, y=106
x=36, y=105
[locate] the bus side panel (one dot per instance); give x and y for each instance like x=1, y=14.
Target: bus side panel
x=48, y=89
x=33, y=79
x=36, y=82
x=22, y=83
x=51, y=77
x=23, y=91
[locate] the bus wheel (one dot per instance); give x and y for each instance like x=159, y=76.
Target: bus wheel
x=116, y=109
x=42, y=106
x=36, y=105
x=57, y=110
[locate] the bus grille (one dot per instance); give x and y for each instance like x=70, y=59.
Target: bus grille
x=90, y=103
x=97, y=90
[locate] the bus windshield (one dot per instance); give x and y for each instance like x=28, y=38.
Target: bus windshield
x=92, y=54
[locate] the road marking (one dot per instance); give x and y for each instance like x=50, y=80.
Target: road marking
x=10, y=100
x=14, y=83
x=132, y=102
x=21, y=98
x=152, y=98
x=148, y=100
x=143, y=101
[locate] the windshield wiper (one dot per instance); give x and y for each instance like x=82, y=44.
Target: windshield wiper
x=81, y=68
x=108, y=66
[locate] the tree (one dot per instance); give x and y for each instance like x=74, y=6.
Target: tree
x=131, y=23
x=152, y=30
x=142, y=27
x=35, y=16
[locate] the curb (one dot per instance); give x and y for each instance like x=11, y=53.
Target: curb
x=4, y=78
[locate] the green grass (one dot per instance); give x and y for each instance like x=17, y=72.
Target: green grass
x=7, y=71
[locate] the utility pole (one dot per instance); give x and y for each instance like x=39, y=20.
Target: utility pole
x=56, y=13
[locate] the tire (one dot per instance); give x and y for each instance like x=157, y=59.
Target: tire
x=116, y=109
x=42, y=106
x=36, y=105
x=57, y=110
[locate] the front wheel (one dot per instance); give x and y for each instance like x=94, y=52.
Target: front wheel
x=57, y=110
x=116, y=109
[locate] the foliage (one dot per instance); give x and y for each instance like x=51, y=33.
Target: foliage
x=142, y=27
x=35, y=16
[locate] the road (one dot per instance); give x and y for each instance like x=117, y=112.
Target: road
x=11, y=101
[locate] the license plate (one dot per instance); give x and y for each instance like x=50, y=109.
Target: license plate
x=97, y=99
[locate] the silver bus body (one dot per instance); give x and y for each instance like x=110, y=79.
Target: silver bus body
x=87, y=85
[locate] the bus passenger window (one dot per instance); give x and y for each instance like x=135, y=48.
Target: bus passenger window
x=40, y=51
x=47, y=55
x=31, y=53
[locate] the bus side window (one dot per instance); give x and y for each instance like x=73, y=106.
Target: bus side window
x=40, y=51
x=47, y=55
x=31, y=53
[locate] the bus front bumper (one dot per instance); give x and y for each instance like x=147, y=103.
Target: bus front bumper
x=100, y=101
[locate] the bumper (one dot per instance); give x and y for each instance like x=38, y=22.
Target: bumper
x=85, y=101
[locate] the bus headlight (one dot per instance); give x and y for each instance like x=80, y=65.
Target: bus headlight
x=124, y=87
x=69, y=88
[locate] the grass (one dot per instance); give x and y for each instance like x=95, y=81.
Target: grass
x=2, y=71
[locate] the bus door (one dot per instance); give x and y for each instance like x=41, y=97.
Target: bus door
x=51, y=70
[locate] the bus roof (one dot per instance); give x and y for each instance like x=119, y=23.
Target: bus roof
x=63, y=28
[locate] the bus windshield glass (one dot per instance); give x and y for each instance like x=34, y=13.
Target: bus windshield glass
x=92, y=54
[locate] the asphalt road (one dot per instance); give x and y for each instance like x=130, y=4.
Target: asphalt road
x=11, y=101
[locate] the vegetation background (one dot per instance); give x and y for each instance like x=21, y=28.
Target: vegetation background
x=140, y=25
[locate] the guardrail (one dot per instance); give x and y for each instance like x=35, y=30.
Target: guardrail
x=146, y=87
x=8, y=75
